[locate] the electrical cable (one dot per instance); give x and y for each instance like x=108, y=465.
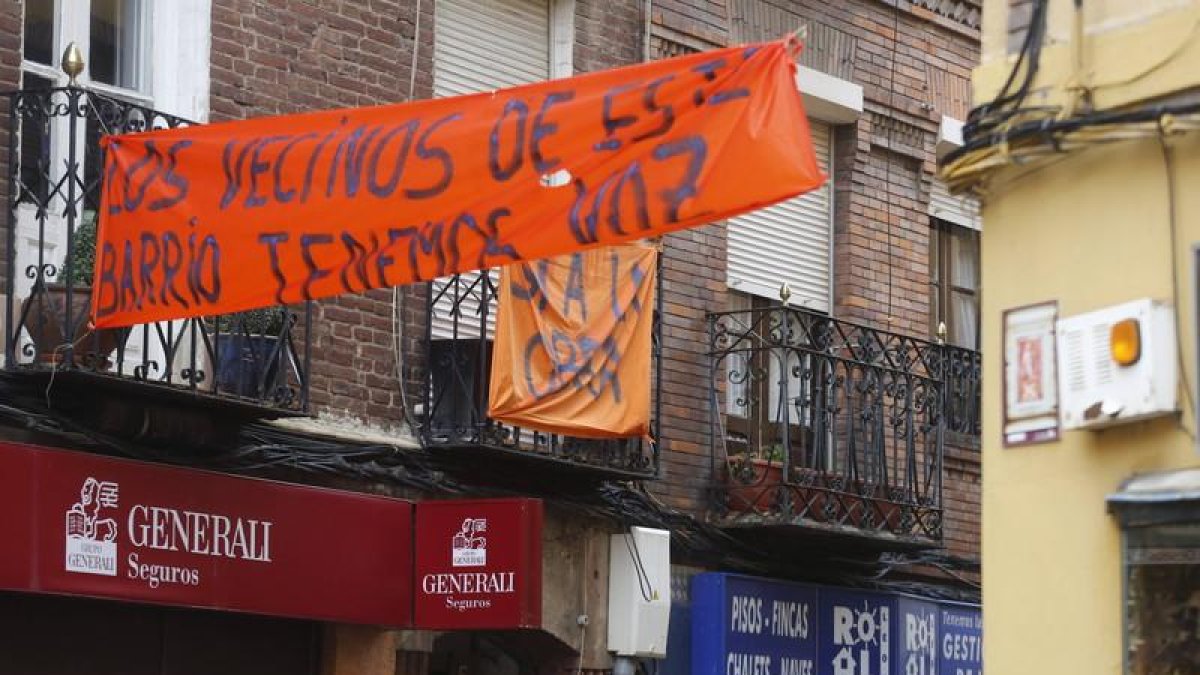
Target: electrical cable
x=1025, y=142
x=1002, y=132
x=644, y=585
x=996, y=113
x=397, y=296
x=891, y=151
x=264, y=448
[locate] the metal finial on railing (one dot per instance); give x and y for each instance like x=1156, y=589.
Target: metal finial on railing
x=72, y=61
x=785, y=293
x=941, y=332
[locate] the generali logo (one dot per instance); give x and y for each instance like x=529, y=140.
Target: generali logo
x=91, y=535
x=468, y=548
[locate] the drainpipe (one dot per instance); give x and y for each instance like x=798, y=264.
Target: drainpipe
x=647, y=22
x=1078, y=100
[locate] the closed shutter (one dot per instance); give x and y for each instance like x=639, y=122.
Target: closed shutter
x=480, y=45
x=788, y=242
x=960, y=210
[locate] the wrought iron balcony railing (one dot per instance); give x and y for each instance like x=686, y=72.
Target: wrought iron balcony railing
x=255, y=360
x=833, y=426
x=460, y=320
x=963, y=369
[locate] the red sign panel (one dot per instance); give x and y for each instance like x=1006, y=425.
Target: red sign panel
x=108, y=528
x=479, y=564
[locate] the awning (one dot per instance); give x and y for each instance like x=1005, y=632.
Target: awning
x=1157, y=498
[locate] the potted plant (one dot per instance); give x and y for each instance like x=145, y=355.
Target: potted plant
x=753, y=478
x=45, y=310
x=249, y=356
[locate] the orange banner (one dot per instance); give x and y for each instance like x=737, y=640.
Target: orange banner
x=226, y=217
x=573, y=341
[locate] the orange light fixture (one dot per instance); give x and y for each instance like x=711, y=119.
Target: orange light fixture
x=1125, y=342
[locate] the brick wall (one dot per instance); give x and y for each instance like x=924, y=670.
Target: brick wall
x=961, y=495
x=883, y=165
x=612, y=34
x=692, y=286
x=284, y=56
x=881, y=243
x=607, y=34
x=700, y=24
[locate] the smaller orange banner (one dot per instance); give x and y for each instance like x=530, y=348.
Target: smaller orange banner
x=573, y=343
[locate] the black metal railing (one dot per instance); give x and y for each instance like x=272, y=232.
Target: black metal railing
x=830, y=424
x=258, y=359
x=963, y=371
x=460, y=313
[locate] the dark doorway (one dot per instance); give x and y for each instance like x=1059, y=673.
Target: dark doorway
x=50, y=635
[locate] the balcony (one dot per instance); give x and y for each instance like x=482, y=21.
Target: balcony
x=963, y=368
x=252, y=364
x=456, y=358
x=831, y=427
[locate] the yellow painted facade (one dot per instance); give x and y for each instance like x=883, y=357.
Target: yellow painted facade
x=1090, y=230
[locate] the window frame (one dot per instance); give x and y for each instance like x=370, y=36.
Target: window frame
x=943, y=290
x=1146, y=508
x=1145, y=526
x=763, y=394
x=172, y=52
x=72, y=23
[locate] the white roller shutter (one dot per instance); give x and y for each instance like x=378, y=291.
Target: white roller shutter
x=960, y=210
x=788, y=242
x=480, y=45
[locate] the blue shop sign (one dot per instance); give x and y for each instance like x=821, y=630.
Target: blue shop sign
x=960, y=650
x=916, y=650
x=749, y=626
x=855, y=630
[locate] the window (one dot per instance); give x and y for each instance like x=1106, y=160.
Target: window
x=789, y=242
x=115, y=53
x=1159, y=517
x=39, y=31
x=1161, y=614
x=111, y=35
x=480, y=45
x=954, y=282
x=114, y=37
x=768, y=386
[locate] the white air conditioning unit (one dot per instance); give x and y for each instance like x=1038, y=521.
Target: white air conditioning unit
x=639, y=592
x=1117, y=365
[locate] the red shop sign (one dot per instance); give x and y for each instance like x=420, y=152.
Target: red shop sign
x=478, y=564
x=107, y=528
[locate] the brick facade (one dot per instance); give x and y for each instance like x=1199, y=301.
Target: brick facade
x=284, y=56
x=279, y=56
x=883, y=165
x=962, y=500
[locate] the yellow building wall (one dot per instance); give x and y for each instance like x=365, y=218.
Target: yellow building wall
x=1089, y=231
